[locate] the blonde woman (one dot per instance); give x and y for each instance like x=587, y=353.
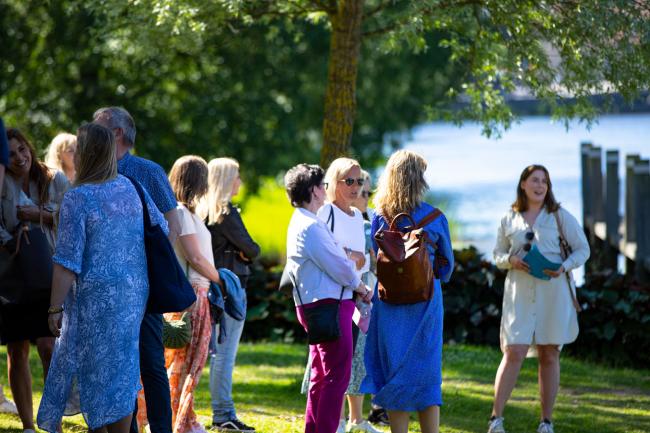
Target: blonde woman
x=233, y=249
x=404, y=342
x=95, y=368
x=60, y=154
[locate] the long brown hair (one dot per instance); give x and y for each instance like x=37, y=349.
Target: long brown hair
x=189, y=180
x=38, y=172
x=521, y=203
x=95, y=158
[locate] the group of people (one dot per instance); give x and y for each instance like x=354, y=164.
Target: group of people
x=398, y=360
x=102, y=352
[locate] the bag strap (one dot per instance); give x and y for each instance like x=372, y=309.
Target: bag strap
x=145, y=209
x=565, y=251
x=331, y=217
x=393, y=223
x=429, y=218
x=295, y=286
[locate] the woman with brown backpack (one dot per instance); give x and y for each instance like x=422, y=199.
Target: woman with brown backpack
x=404, y=342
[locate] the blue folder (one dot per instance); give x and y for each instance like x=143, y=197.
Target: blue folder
x=537, y=263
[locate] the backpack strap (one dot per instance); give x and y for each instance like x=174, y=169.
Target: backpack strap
x=429, y=218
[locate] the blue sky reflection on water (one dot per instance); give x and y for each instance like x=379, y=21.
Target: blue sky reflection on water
x=480, y=174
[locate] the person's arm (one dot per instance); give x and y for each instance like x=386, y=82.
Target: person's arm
x=62, y=280
x=445, y=250
x=577, y=240
x=192, y=253
x=501, y=252
x=174, y=224
x=233, y=229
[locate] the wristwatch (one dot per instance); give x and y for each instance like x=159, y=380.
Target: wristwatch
x=55, y=310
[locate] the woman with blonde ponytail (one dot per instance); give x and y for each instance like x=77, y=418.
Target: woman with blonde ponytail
x=233, y=249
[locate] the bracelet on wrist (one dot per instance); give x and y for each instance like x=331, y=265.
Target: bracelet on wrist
x=55, y=310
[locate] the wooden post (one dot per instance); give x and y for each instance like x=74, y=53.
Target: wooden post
x=585, y=151
x=596, y=187
x=642, y=217
x=612, y=216
x=630, y=230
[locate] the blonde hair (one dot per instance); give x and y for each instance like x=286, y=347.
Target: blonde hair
x=189, y=180
x=95, y=157
x=222, y=173
x=61, y=143
x=337, y=168
x=401, y=186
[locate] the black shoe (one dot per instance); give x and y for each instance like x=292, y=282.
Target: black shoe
x=233, y=425
x=378, y=416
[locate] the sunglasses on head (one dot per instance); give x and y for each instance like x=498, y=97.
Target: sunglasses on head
x=529, y=237
x=349, y=181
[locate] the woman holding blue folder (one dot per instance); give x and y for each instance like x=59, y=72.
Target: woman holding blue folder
x=539, y=307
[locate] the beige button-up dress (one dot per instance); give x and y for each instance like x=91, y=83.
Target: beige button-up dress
x=537, y=311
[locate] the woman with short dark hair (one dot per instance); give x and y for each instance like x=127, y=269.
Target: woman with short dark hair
x=95, y=369
x=323, y=274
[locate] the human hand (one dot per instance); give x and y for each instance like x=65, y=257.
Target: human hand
x=364, y=292
x=54, y=321
x=28, y=213
x=554, y=274
x=519, y=264
x=357, y=257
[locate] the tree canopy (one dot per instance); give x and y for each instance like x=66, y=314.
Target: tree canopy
x=260, y=80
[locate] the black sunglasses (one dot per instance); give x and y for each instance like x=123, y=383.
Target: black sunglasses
x=349, y=181
x=529, y=237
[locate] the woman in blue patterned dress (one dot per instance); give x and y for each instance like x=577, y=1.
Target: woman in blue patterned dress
x=404, y=343
x=95, y=367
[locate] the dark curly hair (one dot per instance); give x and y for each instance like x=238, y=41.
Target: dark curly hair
x=299, y=182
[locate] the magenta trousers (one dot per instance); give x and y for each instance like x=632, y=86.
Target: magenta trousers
x=331, y=364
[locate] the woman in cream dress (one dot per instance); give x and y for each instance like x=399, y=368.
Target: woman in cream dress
x=538, y=316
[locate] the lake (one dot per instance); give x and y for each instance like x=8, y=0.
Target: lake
x=479, y=175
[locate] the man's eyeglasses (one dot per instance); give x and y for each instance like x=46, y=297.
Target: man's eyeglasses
x=529, y=237
x=324, y=184
x=349, y=181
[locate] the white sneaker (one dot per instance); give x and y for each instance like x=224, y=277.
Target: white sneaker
x=363, y=426
x=545, y=427
x=496, y=425
x=341, y=428
x=8, y=406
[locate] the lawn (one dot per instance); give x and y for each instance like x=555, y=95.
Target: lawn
x=593, y=398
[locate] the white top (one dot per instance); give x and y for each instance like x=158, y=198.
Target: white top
x=537, y=311
x=193, y=225
x=318, y=264
x=349, y=231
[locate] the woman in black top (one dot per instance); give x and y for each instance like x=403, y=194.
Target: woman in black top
x=233, y=249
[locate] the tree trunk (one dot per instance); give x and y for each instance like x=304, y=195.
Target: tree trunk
x=340, y=96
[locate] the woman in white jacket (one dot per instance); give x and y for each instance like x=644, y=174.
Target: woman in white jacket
x=538, y=314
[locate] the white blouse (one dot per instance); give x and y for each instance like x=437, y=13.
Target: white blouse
x=537, y=311
x=190, y=224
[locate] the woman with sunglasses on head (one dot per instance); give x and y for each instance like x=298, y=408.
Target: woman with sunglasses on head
x=537, y=313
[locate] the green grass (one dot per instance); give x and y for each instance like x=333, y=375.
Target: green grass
x=592, y=398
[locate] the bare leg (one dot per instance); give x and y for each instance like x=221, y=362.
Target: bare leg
x=399, y=421
x=45, y=346
x=20, y=380
x=430, y=419
x=356, y=408
x=548, y=377
x=507, y=374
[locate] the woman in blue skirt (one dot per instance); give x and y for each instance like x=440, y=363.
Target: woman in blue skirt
x=404, y=343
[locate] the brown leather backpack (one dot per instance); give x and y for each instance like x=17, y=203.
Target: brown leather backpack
x=404, y=269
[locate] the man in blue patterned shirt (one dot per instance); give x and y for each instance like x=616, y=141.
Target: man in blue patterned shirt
x=152, y=352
